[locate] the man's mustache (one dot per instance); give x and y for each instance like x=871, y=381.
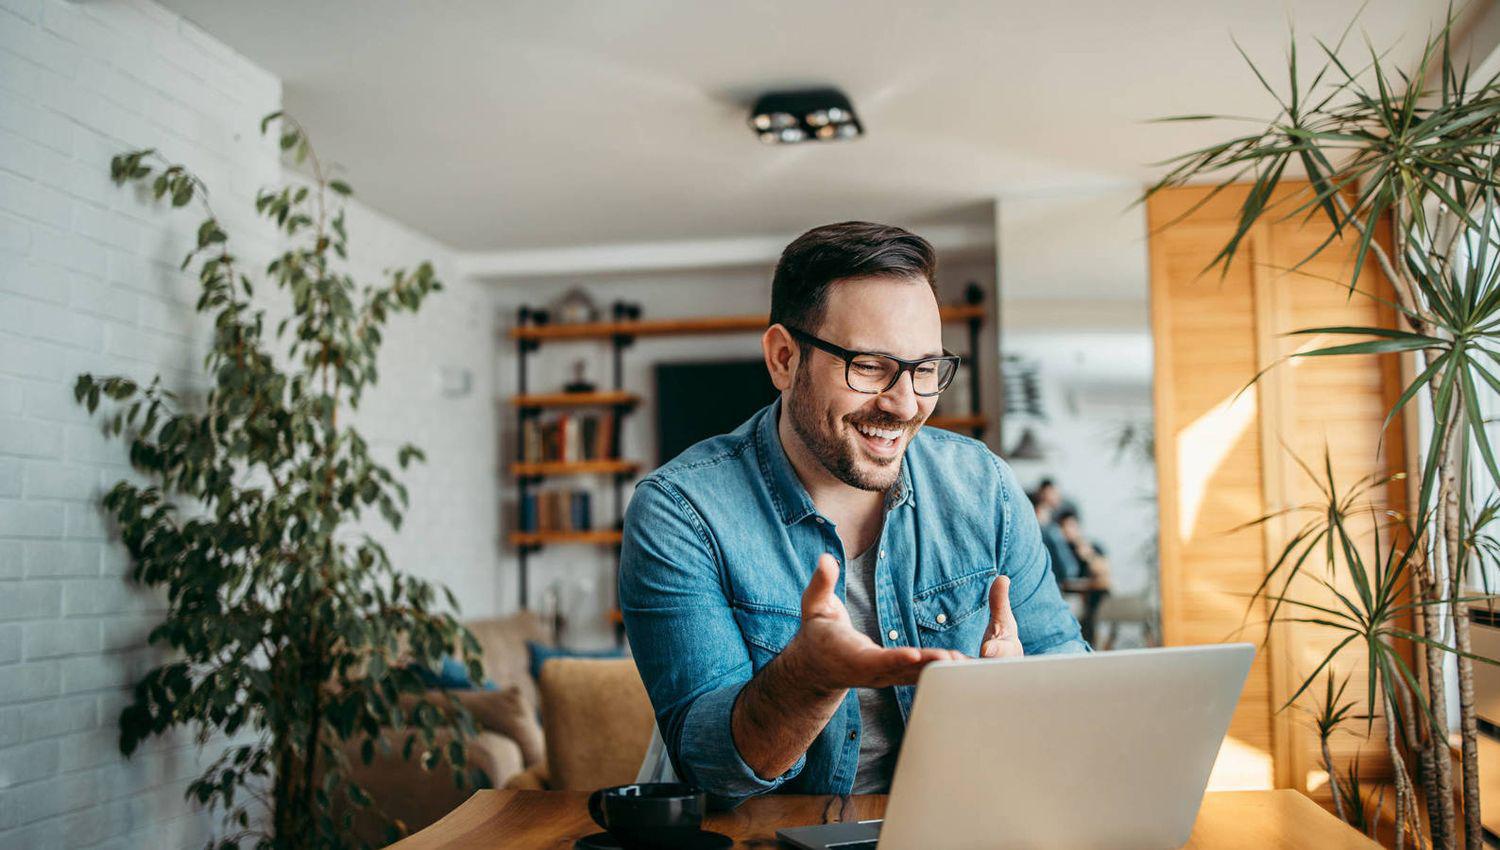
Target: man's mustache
x=887, y=424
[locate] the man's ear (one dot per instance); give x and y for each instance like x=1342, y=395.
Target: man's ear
x=781, y=355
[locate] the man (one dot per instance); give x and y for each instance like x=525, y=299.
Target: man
x=1047, y=502
x=783, y=585
x=1091, y=581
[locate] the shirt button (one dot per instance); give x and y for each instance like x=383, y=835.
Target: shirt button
x=819, y=519
x=942, y=618
x=882, y=553
x=853, y=735
x=893, y=634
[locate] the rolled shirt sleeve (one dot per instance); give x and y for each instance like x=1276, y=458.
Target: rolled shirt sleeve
x=686, y=642
x=1045, y=621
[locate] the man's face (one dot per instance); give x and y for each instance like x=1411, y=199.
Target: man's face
x=896, y=317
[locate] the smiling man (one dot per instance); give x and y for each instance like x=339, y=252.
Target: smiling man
x=783, y=585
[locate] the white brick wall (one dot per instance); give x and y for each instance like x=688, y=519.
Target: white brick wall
x=89, y=282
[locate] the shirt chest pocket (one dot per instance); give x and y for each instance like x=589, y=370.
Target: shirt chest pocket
x=767, y=631
x=954, y=614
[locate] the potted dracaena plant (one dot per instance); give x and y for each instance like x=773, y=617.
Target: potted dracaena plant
x=1414, y=148
x=288, y=629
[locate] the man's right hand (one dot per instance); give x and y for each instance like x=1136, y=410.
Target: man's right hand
x=784, y=706
x=833, y=655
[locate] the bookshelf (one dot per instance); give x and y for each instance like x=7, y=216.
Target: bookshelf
x=545, y=468
x=700, y=325
x=958, y=423
x=540, y=538
x=594, y=399
x=528, y=473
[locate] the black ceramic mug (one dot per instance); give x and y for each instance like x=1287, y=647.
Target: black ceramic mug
x=649, y=815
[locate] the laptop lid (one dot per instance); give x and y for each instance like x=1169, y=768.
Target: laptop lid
x=1105, y=750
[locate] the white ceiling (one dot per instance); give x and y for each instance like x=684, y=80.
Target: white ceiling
x=524, y=125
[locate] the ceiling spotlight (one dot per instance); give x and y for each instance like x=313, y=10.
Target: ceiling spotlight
x=773, y=120
x=805, y=115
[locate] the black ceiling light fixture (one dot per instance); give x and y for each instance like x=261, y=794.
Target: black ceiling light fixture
x=787, y=117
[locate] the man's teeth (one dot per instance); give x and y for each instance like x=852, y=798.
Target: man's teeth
x=877, y=432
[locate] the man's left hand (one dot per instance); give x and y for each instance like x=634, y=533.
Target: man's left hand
x=1002, y=639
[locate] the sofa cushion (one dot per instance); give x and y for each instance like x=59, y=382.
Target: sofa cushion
x=541, y=654
x=503, y=640
x=507, y=712
x=416, y=797
x=451, y=675
x=598, y=721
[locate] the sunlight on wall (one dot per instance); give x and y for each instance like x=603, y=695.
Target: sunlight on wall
x=1202, y=447
x=1241, y=767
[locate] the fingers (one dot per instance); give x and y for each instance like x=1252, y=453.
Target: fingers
x=820, y=587
x=1000, y=614
x=1002, y=619
x=1002, y=638
x=899, y=665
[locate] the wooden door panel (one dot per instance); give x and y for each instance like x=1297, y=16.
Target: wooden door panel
x=1224, y=453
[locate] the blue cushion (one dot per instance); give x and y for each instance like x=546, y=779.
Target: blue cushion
x=451, y=675
x=541, y=654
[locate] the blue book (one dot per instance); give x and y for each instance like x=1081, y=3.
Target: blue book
x=528, y=512
x=576, y=510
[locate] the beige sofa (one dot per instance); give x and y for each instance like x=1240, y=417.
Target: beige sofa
x=510, y=738
x=598, y=723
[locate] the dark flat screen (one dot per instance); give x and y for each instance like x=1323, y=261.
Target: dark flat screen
x=695, y=401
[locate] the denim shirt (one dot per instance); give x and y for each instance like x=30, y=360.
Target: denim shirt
x=721, y=541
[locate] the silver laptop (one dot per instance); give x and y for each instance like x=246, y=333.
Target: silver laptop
x=1108, y=750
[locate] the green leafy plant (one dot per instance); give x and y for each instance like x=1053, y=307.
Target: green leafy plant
x=1361, y=810
x=289, y=630
x=1414, y=149
x=1328, y=717
x=1351, y=803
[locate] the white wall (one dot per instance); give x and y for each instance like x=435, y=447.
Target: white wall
x=1073, y=291
x=89, y=282
x=450, y=532
x=584, y=575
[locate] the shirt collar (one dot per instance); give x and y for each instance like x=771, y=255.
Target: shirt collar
x=787, y=493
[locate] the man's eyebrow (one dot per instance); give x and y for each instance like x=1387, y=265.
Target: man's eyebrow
x=938, y=353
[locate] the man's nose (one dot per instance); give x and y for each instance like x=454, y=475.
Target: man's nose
x=901, y=399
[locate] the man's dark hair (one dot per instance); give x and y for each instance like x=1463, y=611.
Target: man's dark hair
x=825, y=255
x=1065, y=514
x=1045, y=483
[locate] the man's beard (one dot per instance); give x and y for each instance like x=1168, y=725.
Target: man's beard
x=835, y=453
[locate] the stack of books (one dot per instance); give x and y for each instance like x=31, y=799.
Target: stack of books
x=569, y=437
x=557, y=510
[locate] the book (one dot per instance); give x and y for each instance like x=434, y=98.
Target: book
x=579, y=510
x=588, y=437
x=527, y=512
x=531, y=441
x=604, y=439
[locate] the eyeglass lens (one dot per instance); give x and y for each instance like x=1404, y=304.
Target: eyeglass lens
x=872, y=373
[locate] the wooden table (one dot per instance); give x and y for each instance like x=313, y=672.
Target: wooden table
x=553, y=820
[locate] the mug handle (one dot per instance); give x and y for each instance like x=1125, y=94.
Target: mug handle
x=596, y=808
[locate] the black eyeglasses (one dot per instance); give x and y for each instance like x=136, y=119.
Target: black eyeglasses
x=868, y=372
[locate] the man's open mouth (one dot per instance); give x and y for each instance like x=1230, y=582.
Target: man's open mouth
x=880, y=441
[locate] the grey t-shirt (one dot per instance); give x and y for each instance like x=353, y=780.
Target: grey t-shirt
x=879, y=715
